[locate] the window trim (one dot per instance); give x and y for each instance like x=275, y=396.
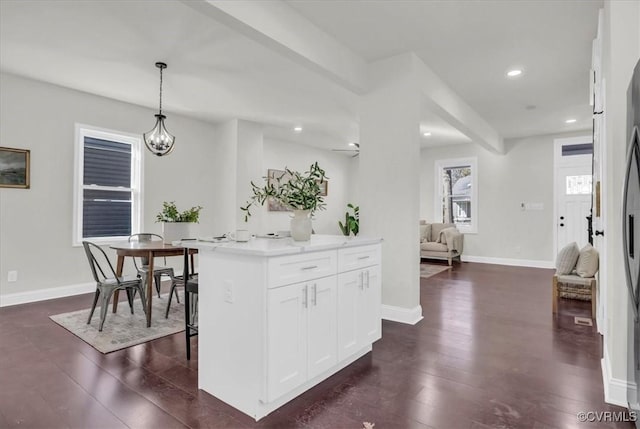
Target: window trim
x=441, y=164
x=137, y=173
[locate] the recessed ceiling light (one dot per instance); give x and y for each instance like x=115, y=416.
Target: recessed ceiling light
x=352, y=144
x=427, y=134
x=297, y=129
x=570, y=121
x=514, y=72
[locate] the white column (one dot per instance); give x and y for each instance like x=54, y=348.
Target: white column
x=227, y=151
x=249, y=168
x=240, y=147
x=390, y=180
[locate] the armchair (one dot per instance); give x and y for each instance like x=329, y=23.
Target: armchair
x=440, y=241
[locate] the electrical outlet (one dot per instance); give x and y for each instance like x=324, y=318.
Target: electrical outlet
x=12, y=276
x=228, y=292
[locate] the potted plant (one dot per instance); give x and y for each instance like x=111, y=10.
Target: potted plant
x=351, y=221
x=177, y=225
x=300, y=192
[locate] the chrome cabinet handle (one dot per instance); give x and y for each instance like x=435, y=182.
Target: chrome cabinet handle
x=367, y=277
x=361, y=280
x=315, y=294
x=363, y=257
x=310, y=267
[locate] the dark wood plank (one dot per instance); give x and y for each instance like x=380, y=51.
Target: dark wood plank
x=487, y=354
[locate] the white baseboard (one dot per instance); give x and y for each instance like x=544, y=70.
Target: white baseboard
x=616, y=391
x=410, y=316
x=43, y=294
x=507, y=261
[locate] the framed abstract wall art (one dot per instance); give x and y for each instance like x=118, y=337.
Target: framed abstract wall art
x=14, y=168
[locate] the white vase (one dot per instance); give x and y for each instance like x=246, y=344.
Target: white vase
x=174, y=231
x=301, y=225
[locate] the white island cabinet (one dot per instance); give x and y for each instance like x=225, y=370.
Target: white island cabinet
x=277, y=317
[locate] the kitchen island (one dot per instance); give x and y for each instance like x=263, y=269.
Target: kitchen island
x=277, y=317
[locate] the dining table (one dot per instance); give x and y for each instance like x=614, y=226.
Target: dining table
x=150, y=250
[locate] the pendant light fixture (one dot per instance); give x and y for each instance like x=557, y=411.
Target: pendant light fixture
x=158, y=140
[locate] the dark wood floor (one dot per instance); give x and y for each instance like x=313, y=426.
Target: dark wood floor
x=487, y=354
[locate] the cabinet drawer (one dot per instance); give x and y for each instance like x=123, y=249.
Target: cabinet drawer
x=286, y=270
x=358, y=257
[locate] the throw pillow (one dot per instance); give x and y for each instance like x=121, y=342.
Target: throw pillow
x=425, y=232
x=587, y=265
x=567, y=258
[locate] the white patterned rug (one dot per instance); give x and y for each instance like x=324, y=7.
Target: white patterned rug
x=123, y=329
x=428, y=270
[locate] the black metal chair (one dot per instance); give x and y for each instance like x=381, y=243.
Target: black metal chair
x=191, y=312
x=142, y=267
x=177, y=281
x=107, y=285
x=190, y=303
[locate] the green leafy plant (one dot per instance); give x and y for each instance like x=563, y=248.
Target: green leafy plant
x=170, y=213
x=351, y=221
x=297, y=191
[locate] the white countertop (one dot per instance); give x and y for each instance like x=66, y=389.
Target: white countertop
x=279, y=246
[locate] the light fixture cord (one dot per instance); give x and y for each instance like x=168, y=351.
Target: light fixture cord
x=160, y=91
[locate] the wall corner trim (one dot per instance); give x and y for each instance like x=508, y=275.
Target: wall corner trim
x=410, y=316
x=616, y=390
x=531, y=263
x=44, y=294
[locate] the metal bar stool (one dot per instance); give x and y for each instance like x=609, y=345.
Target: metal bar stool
x=190, y=307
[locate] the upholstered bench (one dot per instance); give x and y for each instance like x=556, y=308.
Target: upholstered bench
x=575, y=275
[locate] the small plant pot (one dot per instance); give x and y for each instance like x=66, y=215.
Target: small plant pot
x=174, y=231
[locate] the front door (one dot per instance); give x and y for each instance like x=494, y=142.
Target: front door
x=573, y=192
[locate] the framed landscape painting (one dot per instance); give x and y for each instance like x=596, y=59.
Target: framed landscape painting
x=14, y=168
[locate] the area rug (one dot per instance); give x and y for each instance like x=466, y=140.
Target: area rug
x=428, y=270
x=123, y=329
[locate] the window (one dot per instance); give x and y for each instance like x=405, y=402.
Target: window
x=107, y=185
x=579, y=185
x=457, y=193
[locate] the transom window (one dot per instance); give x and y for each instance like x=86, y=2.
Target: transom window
x=457, y=193
x=107, y=185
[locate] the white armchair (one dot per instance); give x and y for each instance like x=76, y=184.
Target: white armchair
x=440, y=241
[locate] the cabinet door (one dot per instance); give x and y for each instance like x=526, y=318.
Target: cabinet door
x=287, y=339
x=370, y=323
x=322, y=338
x=349, y=296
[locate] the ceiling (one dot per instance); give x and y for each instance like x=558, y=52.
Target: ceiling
x=472, y=44
x=214, y=73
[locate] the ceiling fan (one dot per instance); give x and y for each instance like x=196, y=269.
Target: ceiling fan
x=356, y=149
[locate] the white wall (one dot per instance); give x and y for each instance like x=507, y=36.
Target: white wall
x=523, y=174
x=36, y=224
x=338, y=167
x=621, y=52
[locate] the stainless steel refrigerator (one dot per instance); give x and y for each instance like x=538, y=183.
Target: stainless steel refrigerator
x=631, y=220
